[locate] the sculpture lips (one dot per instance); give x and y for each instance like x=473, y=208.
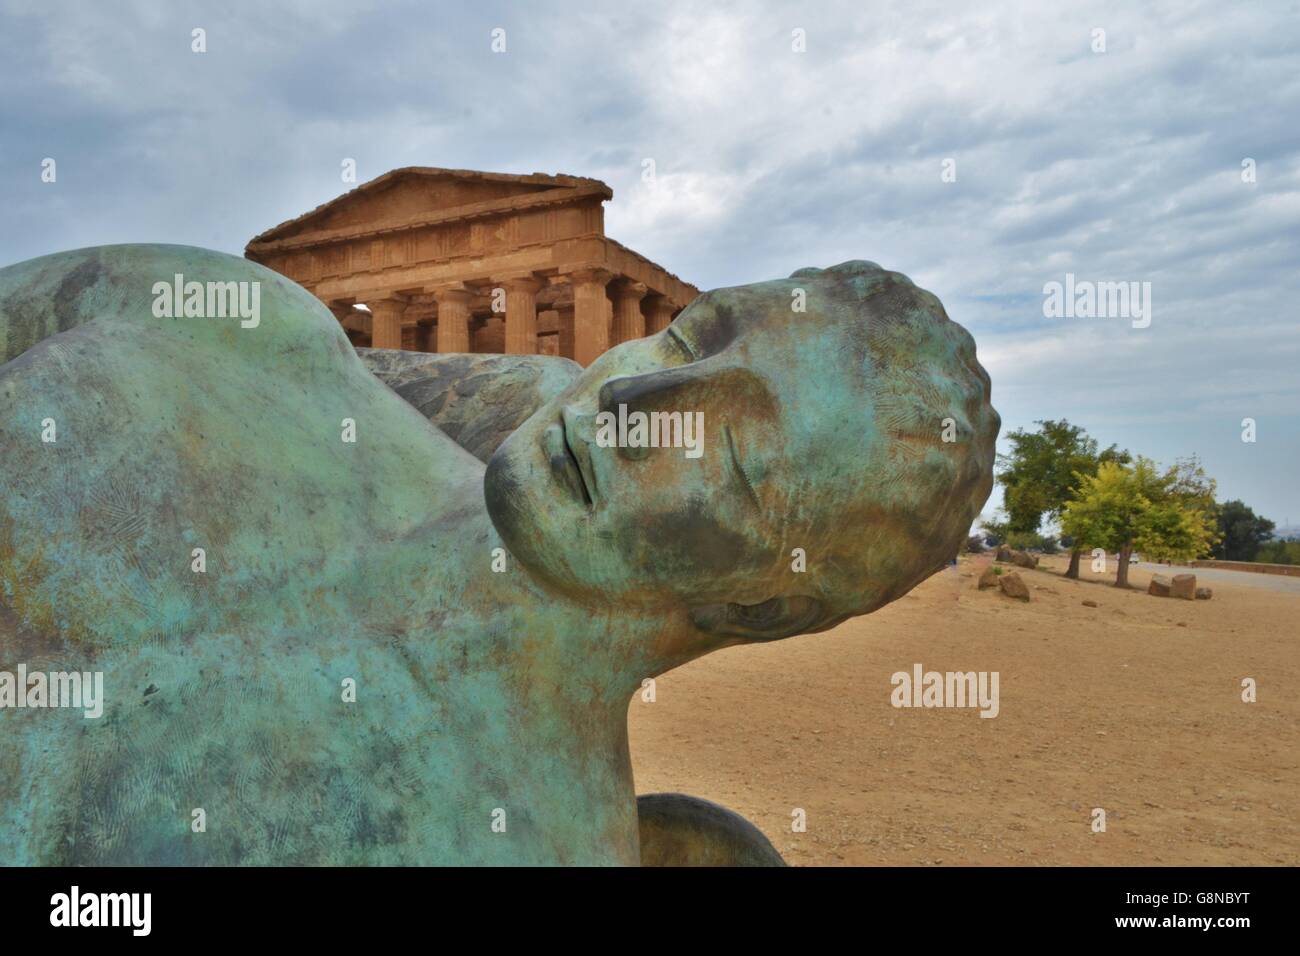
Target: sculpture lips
x=564, y=463
x=584, y=474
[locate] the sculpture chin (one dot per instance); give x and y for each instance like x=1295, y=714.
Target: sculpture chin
x=513, y=511
x=504, y=498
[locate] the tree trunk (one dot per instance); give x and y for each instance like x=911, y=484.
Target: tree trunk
x=1121, y=575
x=1073, y=570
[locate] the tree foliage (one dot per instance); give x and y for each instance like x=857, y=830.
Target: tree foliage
x=1167, y=516
x=1241, y=532
x=1279, y=552
x=1042, y=471
x=1023, y=541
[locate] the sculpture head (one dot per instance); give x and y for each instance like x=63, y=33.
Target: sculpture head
x=857, y=429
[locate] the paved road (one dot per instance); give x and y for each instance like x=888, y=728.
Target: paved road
x=1208, y=576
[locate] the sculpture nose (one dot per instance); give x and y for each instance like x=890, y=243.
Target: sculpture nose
x=655, y=391
x=640, y=392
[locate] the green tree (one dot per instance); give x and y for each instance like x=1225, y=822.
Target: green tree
x=1241, y=532
x=1188, y=482
x=1042, y=472
x=1126, y=507
x=1280, y=552
x=1194, y=491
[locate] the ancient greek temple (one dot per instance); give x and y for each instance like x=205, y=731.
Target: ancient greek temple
x=451, y=260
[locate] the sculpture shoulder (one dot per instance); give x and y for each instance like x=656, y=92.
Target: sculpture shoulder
x=132, y=439
x=161, y=298
x=200, y=295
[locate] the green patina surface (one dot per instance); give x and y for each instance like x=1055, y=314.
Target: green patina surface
x=476, y=691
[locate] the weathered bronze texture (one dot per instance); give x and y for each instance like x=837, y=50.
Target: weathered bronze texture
x=491, y=622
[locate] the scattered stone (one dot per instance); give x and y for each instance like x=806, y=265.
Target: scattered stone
x=1012, y=586
x=1090, y=603
x=1204, y=594
x=1024, y=559
x=1004, y=554
x=1159, y=586
x=989, y=579
x=1184, y=586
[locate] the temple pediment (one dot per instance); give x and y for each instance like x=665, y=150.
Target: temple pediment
x=416, y=195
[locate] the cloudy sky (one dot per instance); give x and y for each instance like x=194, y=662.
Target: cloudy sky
x=1122, y=165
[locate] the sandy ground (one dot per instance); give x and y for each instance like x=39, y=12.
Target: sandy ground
x=1134, y=706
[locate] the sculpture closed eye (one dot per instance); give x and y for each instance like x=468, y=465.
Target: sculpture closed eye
x=770, y=620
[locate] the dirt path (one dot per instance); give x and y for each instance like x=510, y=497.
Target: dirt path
x=1134, y=706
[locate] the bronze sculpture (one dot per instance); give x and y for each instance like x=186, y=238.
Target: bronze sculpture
x=393, y=654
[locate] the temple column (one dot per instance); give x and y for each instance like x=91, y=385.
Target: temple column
x=629, y=323
x=453, y=317
x=386, y=316
x=521, y=315
x=590, y=331
x=658, y=312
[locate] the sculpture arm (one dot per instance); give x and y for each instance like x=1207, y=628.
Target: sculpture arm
x=475, y=399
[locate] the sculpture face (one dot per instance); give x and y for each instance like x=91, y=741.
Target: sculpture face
x=823, y=430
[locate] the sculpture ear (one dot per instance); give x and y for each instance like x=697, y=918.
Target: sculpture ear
x=771, y=620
